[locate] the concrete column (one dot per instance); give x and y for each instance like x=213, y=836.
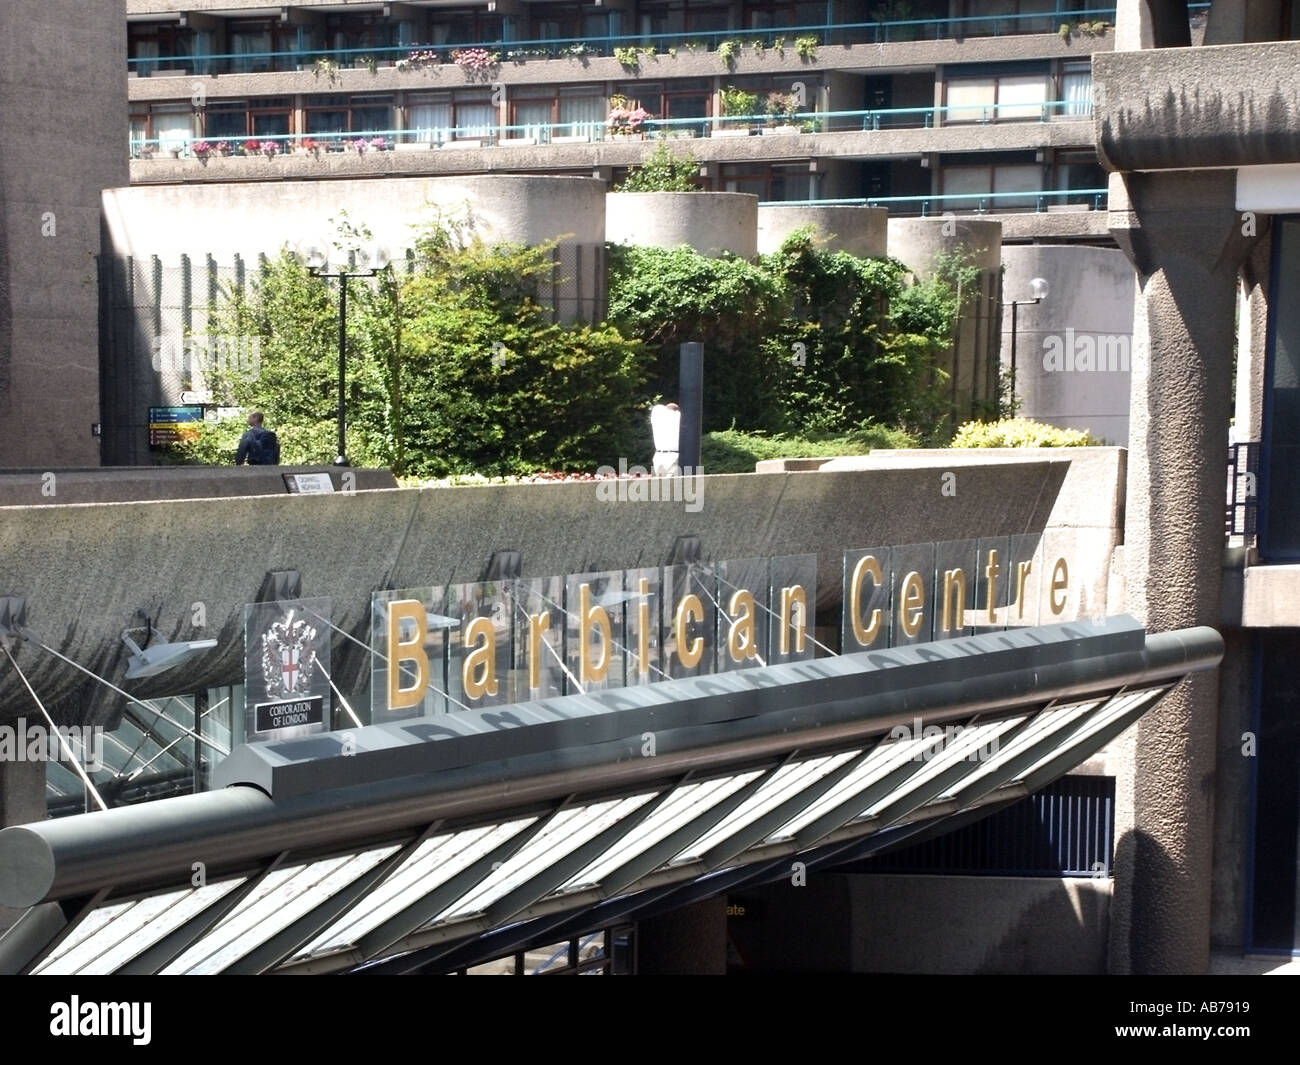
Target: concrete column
x=691, y=941
x=1252, y=340
x=1186, y=243
x=22, y=800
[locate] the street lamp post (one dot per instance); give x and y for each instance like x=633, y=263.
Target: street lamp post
x=1038, y=289
x=317, y=264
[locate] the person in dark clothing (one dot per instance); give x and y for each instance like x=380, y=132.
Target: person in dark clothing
x=258, y=446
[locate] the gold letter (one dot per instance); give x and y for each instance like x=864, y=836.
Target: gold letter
x=537, y=625
x=992, y=571
x=864, y=634
x=1022, y=571
x=790, y=596
x=411, y=650
x=740, y=638
x=689, y=652
x=913, y=603
x=1060, y=583
x=643, y=627
x=954, y=587
x=587, y=616
x=481, y=658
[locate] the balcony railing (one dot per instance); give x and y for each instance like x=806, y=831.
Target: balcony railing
x=183, y=145
x=1036, y=201
x=795, y=40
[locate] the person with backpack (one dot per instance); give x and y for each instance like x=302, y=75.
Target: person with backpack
x=258, y=445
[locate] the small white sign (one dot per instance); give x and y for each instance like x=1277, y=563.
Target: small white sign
x=191, y=398
x=308, y=483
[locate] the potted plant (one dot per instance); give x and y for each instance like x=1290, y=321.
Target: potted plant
x=269, y=148
x=252, y=147
x=201, y=150
x=736, y=103
x=625, y=119
x=781, y=108
x=421, y=57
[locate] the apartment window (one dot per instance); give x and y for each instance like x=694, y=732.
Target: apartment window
x=541, y=112
x=465, y=27
x=1076, y=89
x=350, y=114
x=768, y=182
x=683, y=99
x=569, y=21
x=441, y=117
x=679, y=16
x=352, y=34
x=151, y=45
x=1006, y=180
x=996, y=97
x=765, y=16
x=1077, y=170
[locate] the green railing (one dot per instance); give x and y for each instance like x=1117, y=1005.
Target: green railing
x=548, y=133
x=792, y=40
x=977, y=202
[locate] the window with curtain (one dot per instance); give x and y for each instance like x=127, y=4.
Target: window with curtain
x=581, y=116
x=532, y=119
x=475, y=119
x=430, y=121
x=173, y=125
x=245, y=44
x=1076, y=91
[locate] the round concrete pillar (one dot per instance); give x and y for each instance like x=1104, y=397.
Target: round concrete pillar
x=861, y=231
x=972, y=364
x=712, y=223
x=1073, y=347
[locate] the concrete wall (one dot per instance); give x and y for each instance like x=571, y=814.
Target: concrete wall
x=62, y=113
x=86, y=569
x=148, y=327
x=972, y=365
x=1073, y=348
x=858, y=230
x=710, y=222
x=926, y=924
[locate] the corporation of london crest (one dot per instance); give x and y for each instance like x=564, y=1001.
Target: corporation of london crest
x=288, y=656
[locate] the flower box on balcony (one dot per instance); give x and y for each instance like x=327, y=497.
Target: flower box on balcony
x=462, y=144
x=576, y=138
x=772, y=131
x=731, y=132
x=418, y=146
x=517, y=142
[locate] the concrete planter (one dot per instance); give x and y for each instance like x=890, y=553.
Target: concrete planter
x=712, y=223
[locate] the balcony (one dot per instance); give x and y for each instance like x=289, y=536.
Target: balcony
x=635, y=51
x=887, y=131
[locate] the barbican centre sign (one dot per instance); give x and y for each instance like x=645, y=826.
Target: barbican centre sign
x=447, y=648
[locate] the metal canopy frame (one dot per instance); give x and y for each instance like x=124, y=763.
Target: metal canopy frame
x=1096, y=679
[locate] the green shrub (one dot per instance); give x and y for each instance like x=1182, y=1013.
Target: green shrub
x=1020, y=432
x=663, y=172
x=732, y=451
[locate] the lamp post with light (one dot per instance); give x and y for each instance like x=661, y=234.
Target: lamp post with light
x=369, y=261
x=1038, y=289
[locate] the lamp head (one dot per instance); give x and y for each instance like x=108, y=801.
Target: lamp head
x=1038, y=288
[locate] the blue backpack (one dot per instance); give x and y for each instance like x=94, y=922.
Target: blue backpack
x=263, y=448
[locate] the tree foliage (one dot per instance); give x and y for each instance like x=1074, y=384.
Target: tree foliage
x=803, y=341
x=663, y=171
x=452, y=366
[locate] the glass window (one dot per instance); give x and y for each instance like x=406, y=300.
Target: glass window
x=1076, y=90
x=971, y=100
x=1021, y=97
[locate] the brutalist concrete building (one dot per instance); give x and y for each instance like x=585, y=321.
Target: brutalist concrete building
x=539, y=728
